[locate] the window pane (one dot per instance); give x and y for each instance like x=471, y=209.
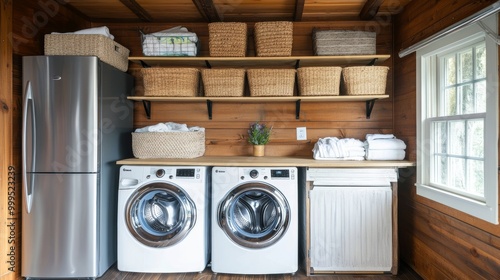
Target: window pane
x=456, y=173
x=440, y=137
x=450, y=68
x=476, y=177
x=457, y=138
x=480, y=89
x=475, y=138
x=440, y=170
x=465, y=68
x=450, y=102
x=467, y=96
x=480, y=62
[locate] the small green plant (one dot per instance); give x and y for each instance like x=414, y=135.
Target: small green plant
x=259, y=134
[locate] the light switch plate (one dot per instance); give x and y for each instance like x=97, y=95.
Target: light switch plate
x=301, y=133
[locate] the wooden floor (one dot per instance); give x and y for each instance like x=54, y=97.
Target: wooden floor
x=405, y=273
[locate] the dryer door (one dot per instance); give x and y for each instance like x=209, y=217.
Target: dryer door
x=254, y=215
x=160, y=214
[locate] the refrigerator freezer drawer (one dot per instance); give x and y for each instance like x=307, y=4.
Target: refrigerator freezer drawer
x=60, y=237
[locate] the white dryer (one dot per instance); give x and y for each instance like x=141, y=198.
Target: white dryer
x=163, y=219
x=254, y=220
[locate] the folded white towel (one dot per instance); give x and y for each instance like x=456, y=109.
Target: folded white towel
x=385, y=154
x=334, y=148
x=169, y=127
x=385, y=144
x=343, y=158
x=370, y=137
x=103, y=30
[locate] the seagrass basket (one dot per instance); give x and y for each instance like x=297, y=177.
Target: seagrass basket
x=101, y=46
x=271, y=82
x=227, y=39
x=223, y=82
x=365, y=80
x=319, y=80
x=180, y=144
x=344, y=42
x=174, y=82
x=273, y=38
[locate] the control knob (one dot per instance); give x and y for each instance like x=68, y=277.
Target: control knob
x=254, y=174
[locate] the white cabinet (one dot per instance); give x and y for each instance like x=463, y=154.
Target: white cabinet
x=349, y=221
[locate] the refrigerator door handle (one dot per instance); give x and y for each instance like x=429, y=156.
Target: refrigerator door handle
x=28, y=109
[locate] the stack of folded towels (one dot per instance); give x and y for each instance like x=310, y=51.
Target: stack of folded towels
x=103, y=30
x=169, y=127
x=176, y=41
x=384, y=147
x=333, y=148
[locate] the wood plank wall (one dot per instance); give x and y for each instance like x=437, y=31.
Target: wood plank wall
x=438, y=242
x=29, y=21
x=226, y=133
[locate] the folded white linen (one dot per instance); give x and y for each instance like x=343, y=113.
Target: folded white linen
x=103, y=30
x=370, y=137
x=334, y=148
x=385, y=154
x=385, y=144
x=169, y=127
x=343, y=158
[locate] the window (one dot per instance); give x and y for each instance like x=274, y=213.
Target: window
x=457, y=120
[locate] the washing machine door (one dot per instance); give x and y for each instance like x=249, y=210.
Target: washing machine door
x=254, y=215
x=160, y=214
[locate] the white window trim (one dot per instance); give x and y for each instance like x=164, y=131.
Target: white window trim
x=487, y=210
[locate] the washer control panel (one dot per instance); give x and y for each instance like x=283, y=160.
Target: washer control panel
x=267, y=174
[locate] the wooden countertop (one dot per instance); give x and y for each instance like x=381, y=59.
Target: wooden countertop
x=268, y=161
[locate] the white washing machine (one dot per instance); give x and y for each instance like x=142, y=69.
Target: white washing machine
x=254, y=220
x=163, y=219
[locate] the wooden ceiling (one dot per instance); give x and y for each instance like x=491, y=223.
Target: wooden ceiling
x=235, y=10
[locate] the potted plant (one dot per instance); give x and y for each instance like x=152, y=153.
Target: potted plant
x=258, y=136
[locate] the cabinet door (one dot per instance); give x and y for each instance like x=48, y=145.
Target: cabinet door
x=351, y=228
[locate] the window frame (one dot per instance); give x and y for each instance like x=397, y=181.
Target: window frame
x=428, y=85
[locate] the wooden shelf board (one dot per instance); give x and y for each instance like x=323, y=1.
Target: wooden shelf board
x=250, y=99
x=269, y=161
x=291, y=61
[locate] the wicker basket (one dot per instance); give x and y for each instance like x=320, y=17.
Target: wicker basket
x=273, y=38
x=168, y=144
x=181, y=82
x=227, y=39
x=271, y=82
x=365, y=80
x=223, y=82
x=344, y=42
x=319, y=80
x=101, y=46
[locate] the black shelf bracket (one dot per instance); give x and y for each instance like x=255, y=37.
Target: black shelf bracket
x=147, y=108
x=369, y=107
x=144, y=64
x=372, y=62
x=207, y=63
x=297, y=64
x=209, y=108
x=297, y=109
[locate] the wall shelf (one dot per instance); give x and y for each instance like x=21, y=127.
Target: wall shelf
x=289, y=61
x=368, y=99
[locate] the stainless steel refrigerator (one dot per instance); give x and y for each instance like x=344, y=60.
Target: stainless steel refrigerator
x=76, y=124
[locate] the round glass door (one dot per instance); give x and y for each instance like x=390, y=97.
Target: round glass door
x=254, y=215
x=160, y=214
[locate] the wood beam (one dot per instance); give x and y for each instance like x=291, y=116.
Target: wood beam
x=299, y=10
x=208, y=10
x=370, y=9
x=138, y=10
x=10, y=183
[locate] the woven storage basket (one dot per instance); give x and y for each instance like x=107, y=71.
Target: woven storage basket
x=319, y=80
x=227, y=39
x=344, y=42
x=180, y=82
x=168, y=144
x=273, y=38
x=101, y=46
x=223, y=82
x=271, y=82
x=365, y=80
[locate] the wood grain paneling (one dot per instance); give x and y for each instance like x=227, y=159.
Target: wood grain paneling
x=437, y=241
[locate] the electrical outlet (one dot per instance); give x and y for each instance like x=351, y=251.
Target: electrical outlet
x=301, y=133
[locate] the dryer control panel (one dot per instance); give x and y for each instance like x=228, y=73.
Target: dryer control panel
x=267, y=174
